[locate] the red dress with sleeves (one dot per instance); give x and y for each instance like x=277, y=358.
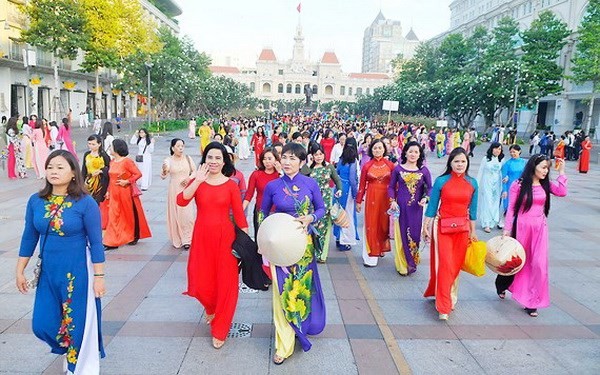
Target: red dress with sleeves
x=374, y=180
x=212, y=269
x=126, y=220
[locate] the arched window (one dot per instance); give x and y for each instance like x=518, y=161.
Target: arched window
x=280, y=88
x=342, y=90
x=358, y=91
x=315, y=90
x=328, y=90
x=349, y=90
x=288, y=88
x=297, y=89
x=368, y=90
x=252, y=86
x=266, y=87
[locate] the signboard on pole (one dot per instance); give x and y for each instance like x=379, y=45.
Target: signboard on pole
x=391, y=105
x=442, y=124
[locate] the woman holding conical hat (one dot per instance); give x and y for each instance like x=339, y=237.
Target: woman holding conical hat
x=298, y=302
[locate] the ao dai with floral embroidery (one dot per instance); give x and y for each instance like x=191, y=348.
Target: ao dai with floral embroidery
x=65, y=313
x=489, y=179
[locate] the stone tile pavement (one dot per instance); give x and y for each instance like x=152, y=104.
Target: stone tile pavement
x=378, y=321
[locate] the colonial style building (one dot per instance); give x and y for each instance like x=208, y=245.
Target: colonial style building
x=26, y=75
x=383, y=41
x=275, y=79
x=561, y=112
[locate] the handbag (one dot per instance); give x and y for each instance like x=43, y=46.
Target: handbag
x=37, y=271
x=475, y=258
x=450, y=225
x=140, y=158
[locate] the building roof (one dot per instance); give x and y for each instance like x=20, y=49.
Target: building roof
x=329, y=58
x=267, y=54
x=169, y=6
x=380, y=17
x=224, y=69
x=369, y=75
x=411, y=35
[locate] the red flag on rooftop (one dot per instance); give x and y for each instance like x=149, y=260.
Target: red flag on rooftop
x=299, y=7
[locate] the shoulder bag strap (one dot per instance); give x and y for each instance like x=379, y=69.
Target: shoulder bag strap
x=48, y=229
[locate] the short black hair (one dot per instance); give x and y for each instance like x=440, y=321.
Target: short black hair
x=405, y=150
x=120, y=147
x=376, y=141
x=295, y=149
x=173, y=143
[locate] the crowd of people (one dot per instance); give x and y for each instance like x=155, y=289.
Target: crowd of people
x=305, y=165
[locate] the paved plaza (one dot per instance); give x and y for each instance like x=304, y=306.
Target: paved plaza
x=377, y=321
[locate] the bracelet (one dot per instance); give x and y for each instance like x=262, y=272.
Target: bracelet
x=314, y=217
x=98, y=275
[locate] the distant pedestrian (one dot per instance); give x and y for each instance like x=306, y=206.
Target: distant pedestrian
x=489, y=180
x=143, y=158
x=584, y=157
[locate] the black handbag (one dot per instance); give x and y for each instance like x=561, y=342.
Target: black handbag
x=140, y=158
x=245, y=249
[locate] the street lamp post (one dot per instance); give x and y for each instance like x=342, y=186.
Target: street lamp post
x=149, y=65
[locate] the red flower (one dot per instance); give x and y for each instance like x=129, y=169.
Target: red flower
x=510, y=265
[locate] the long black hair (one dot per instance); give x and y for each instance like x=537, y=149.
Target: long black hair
x=350, y=151
x=490, y=155
x=148, y=138
x=405, y=149
x=313, y=148
x=453, y=154
x=524, y=200
x=76, y=188
x=106, y=130
x=228, y=168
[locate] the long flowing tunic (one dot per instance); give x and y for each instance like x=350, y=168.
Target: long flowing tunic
x=298, y=302
x=180, y=220
x=96, y=185
x=530, y=287
x=489, y=179
x=64, y=135
x=204, y=132
x=584, y=158
x=349, y=176
x=374, y=180
x=145, y=149
x=324, y=175
x=40, y=152
x=451, y=196
x=126, y=218
x=258, y=143
x=212, y=269
x=511, y=170
x=440, y=139
x=408, y=187
x=66, y=315
x=16, y=162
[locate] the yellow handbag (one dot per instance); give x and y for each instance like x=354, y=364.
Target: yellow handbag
x=475, y=258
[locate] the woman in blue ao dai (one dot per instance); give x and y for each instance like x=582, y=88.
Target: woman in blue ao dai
x=66, y=221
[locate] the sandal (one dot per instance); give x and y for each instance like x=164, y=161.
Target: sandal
x=502, y=295
x=278, y=359
x=209, y=318
x=532, y=312
x=217, y=344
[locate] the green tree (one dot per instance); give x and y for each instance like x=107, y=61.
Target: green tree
x=117, y=30
x=56, y=26
x=542, y=44
x=587, y=54
x=501, y=70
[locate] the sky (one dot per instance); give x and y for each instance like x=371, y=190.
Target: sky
x=234, y=32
